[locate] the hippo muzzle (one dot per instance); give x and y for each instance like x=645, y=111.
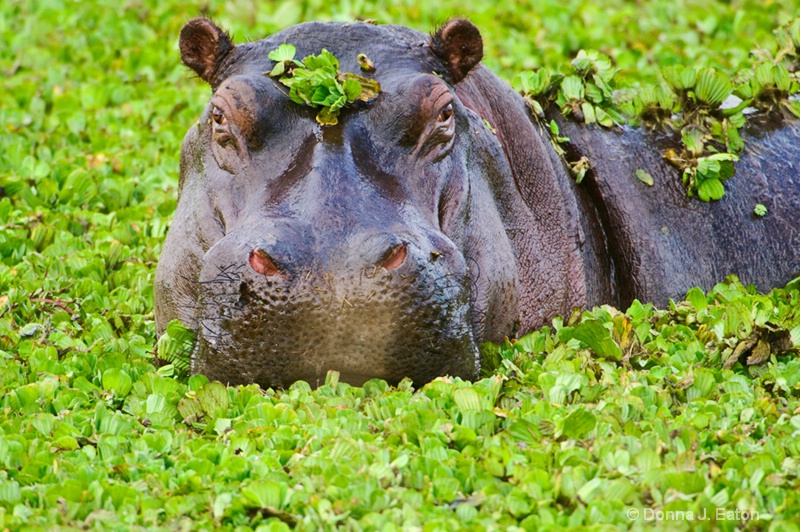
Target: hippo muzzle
x=383, y=308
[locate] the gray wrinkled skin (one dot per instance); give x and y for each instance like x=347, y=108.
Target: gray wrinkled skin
x=391, y=244
x=328, y=206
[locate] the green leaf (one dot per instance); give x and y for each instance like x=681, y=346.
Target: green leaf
x=679, y=78
x=533, y=83
x=722, y=157
x=606, y=117
x=284, y=52
x=9, y=491
x=317, y=82
x=190, y=408
x=572, y=88
x=763, y=74
x=352, y=89
x=595, y=336
x=794, y=107
x=588, y=113
x=697, y=298
x=726, y=170
x=708, y=167
x=644, y=177
x=176, y=345
x=278, y=70
x=213, y=399
x=710, y=189
x=693, y=140
x=467, y=399
x=328, y=116
x=760, y=210
x=267, y=494
x=117, y=381
x=712, y=87
x=579, y=422
x=369, y=87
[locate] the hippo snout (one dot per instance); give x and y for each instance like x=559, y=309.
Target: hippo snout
x=376, y=306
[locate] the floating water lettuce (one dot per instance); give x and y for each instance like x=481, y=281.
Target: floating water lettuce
x=316, y=81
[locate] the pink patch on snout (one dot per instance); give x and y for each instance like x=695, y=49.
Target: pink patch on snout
x=394, y=257
x=262, y=263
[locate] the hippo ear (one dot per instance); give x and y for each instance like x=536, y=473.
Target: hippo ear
x=203, y=47
x=459, y=44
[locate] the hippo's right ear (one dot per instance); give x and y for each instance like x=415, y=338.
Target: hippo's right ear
x=458, y=43
x=203, y=48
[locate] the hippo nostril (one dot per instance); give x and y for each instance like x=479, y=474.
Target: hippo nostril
x=262, y=263
x=394, y=257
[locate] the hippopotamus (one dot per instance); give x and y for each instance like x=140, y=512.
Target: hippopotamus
x=432, y=218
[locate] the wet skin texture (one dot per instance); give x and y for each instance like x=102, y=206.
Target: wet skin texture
x=393, y=243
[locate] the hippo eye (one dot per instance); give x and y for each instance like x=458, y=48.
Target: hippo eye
x=445, y=114
x=218, y=116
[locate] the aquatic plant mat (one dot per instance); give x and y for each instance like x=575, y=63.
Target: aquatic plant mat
x=679, y=418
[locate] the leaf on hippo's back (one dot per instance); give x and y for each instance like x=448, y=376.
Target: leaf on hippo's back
x=645, y=177
x=763, y=75
x=572, y=88
x=760, y=210
x=606, y=117
x=593, y=94
x=589, y=116
x=532, y=83
x=733, y=141
x=794, y=107
x=595, y=336
x=579, y=168
x=693, y=139
x=710, y=189
x=708, y=167
x=722, y=157
x=278, y=70
x=712, y=87
x=679, y=78
x=582, y=62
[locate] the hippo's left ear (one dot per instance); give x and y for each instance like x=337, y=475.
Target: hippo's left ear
x=459, y=44
x=203, y=48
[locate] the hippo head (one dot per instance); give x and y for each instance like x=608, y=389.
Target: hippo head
x=373, y=247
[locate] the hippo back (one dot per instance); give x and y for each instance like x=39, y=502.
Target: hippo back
x=663, y=242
